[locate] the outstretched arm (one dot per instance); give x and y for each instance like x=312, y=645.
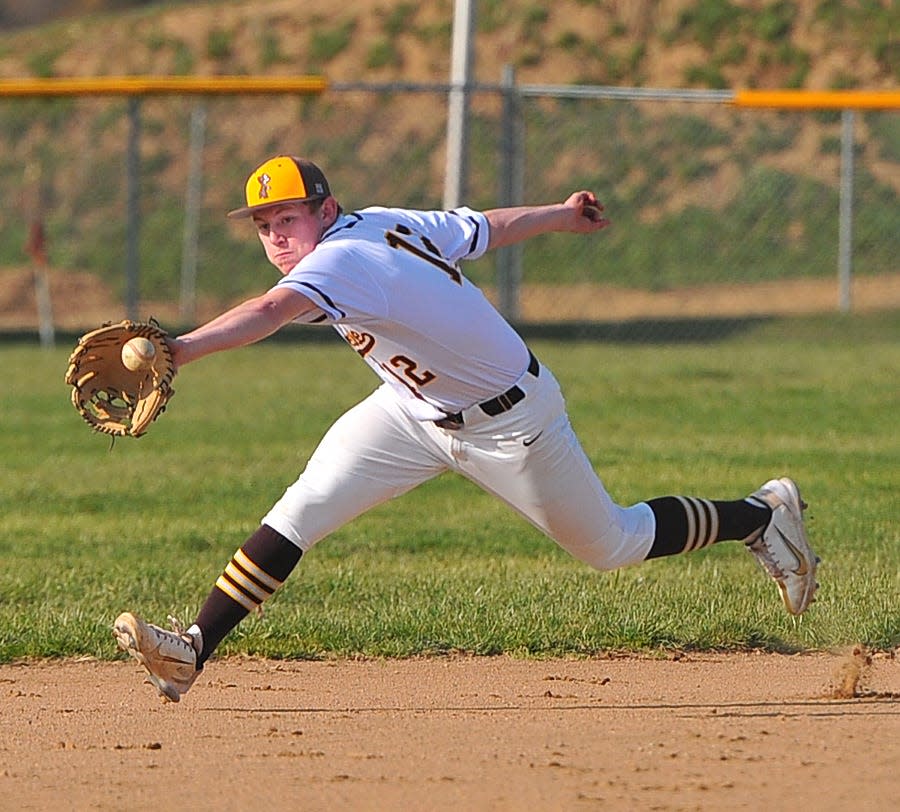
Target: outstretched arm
x=250, y=321
x=580, y=213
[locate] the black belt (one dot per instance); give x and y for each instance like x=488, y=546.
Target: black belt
x=494, y=406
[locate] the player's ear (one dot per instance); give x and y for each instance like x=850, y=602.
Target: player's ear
x=330, y=210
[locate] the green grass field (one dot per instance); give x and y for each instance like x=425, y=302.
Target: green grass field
x=89, y=530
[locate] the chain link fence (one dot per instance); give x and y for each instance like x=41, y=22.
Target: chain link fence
x=719, y=214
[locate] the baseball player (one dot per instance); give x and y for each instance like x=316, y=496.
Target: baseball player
x=460, y=390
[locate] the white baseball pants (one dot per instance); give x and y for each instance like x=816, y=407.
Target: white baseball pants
x=528, y=456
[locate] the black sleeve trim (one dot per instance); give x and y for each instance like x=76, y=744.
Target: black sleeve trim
x=474, y=244
x=325, y=298
x=354, y=218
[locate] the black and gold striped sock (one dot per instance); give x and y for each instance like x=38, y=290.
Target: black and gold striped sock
x=685, y=523
x=255, y=571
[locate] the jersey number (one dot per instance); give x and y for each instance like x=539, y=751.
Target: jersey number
x=408, y=367
x=430, y=252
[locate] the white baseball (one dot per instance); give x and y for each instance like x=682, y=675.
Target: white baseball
x=138, y=354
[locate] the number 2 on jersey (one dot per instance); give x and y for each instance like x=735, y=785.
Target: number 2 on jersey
x=430, y=252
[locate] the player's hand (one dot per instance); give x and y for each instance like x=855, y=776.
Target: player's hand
x=587, y=212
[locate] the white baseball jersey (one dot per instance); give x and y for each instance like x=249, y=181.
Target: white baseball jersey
x=390, y=283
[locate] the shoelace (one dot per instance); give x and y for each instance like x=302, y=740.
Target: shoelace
x=760, y=547
x=767, y=556
x=183, y=636
x=176, y=624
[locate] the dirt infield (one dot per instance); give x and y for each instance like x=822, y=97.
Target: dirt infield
x=735, y=731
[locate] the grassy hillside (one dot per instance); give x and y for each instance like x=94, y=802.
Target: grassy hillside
x=665, y=43
x=68, y=155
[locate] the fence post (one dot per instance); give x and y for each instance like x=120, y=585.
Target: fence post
x=133, y=175
x=512, y=170
x=194, y=199
x=35, y=246
x=458, y=103
x=845, y=222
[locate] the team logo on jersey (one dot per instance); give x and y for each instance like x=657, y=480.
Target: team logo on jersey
x=361, y=342
x=265, y=182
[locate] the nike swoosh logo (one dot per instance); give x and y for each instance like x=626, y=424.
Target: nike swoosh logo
x=532, y=440
x=802, y=569
x=166, y=658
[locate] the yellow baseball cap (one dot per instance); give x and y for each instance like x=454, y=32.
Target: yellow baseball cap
x=283, y=179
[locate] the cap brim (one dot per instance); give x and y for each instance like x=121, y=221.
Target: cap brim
x=248, y=211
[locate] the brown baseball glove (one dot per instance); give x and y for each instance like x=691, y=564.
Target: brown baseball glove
x=111, y=397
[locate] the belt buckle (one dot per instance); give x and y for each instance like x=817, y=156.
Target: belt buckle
x=505, y=401
x=452, y=422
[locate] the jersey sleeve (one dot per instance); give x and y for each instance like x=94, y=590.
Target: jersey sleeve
x=461, y=233
x=474, y=234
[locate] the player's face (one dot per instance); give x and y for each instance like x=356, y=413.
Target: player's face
x=289, y=232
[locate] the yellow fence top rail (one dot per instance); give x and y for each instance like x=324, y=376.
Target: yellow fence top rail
x=236, y=85
x=819, y=99
x=149, y=85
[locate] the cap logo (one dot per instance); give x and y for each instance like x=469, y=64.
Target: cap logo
x=265, y=181
x=320, y=189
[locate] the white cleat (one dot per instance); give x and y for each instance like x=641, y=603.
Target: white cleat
x=170, y=657
x=782, y=547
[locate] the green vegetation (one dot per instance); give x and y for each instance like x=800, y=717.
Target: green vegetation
x=382, y=54
x=724, y=29
x=270, y=49
x=327, y=43
x=775, y=21
x=219, y=44
x=42, y=63
x=708, y=21
x=873, y=21
x=181, y=59
x=399, y=20
x=89, y=530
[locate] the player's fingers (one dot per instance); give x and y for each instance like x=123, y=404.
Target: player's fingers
x=593, y=212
